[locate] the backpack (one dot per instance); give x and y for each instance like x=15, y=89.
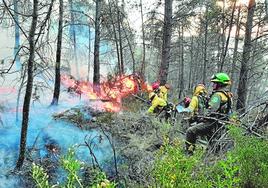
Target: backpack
x=202, y=103
x=226, y=107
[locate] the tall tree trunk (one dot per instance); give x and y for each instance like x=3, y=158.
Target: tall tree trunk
x=167, y=31
x=228, y=37
x=115, y=38
x=235, y=54
x=182, y=64
x=58, y=57
x=199, y=55
x=17, y=35
x=120, y=39
x=205, y=46
x=191, y=64
x=218, y=57
x=256, y=83
x=96, y=74
x=196, y=63
x=222, y=37
x=73, y=38
x=243, y=78
x=89, y=51
x=29, y=86
x=143, y=42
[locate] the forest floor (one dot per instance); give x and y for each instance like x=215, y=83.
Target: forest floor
x=135, y=136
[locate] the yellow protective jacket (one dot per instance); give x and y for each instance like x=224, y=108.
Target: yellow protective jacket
x=193, y=107
x=163, y=92
x=156, y=101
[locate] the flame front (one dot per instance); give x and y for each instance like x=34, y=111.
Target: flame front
x=110, y=92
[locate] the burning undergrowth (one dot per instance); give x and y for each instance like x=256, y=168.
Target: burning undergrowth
x=101, y=125
x=117, y=130
x=109, y=94
x=134, y=137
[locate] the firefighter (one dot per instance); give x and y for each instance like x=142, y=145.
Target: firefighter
x=219, y=104
x=157, y=103
x=199, y=100
x=163, y=91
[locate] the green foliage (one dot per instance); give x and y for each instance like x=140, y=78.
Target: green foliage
x=173, y=168
x=72, y=166
x=245, y=166
x=224, y=173
x=100, y=180
x=252, y=155
x=40, y=176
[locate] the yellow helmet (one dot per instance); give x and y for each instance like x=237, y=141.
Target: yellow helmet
x=200, y=88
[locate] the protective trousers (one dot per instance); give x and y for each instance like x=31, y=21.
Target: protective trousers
x=201, y=129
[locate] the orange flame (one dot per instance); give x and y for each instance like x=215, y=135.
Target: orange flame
x=111, y=91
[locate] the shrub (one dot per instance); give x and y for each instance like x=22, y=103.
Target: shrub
x=100, y=180
x=244, y=166
x=40, y=176
x=252, y=156
x=173, y=168
x=72, y=166
x=224, y=173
